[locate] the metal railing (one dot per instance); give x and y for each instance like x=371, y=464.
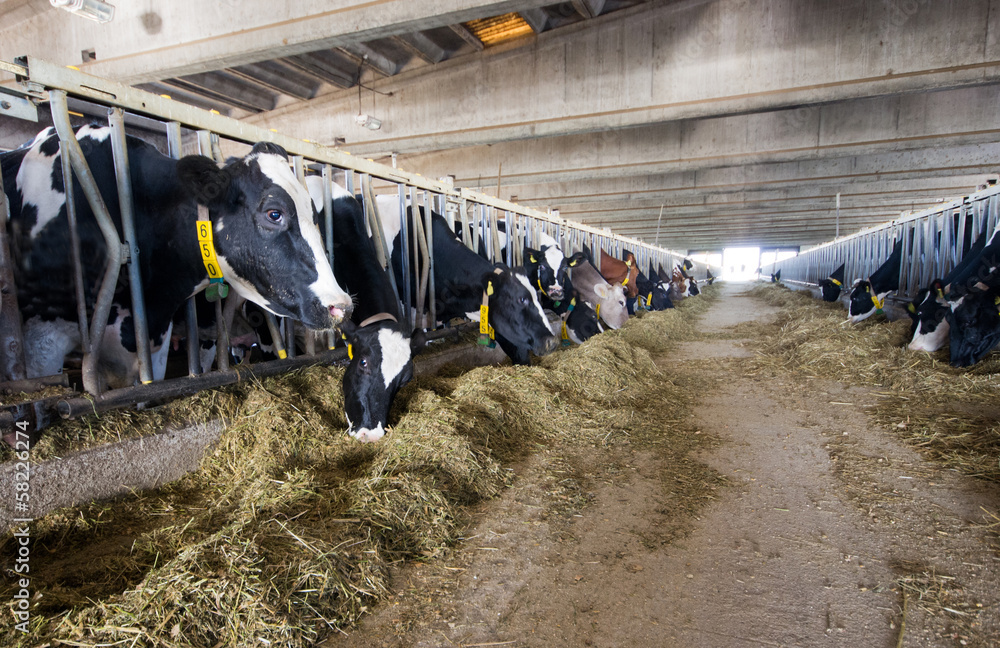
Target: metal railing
x=187, y=127
x=934, y=242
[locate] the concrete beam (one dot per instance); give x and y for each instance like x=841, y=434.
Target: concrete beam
x=145, y=43
x=662, y=62
x=975, y=162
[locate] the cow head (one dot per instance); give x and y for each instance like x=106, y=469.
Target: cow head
x=974, y=321
x=581, y=321
x=381, y=362
x=927, y=310
x=266, y=241
x=864, y=303
x=693, y=289
x=516, y=315
x=831, y=290
x=547, y=268
x=611, y=305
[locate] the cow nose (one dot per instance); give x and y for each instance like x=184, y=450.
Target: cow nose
x=556, y=293
x=546, y=345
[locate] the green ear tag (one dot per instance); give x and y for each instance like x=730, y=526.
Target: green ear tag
x=216, y=291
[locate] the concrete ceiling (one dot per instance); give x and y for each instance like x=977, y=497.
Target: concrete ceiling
x=695, y=123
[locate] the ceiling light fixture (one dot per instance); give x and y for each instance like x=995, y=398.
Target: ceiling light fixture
x=96, y=10
x=367, y=121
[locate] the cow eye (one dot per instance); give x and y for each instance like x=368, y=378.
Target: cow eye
x=275, y=216
x=363, y=363
x=524, y=301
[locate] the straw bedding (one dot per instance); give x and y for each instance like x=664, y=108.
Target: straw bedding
x=288, y=529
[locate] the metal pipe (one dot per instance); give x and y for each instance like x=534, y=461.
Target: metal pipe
x=177, y=387
x=404, y=251
x=119, y=150
x=328, y=209
x=102, y=307
x=175, y=150
x=12, y=365
x=276, y=341
x=28, y=385
x=74, y=248
x=429, y=234
x=290, y=337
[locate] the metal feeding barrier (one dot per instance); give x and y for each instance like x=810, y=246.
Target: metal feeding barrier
x=178, y=127
x=934, y=242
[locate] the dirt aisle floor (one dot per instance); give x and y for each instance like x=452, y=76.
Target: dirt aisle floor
x=794, y=522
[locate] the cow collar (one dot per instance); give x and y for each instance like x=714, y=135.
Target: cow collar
x=217, y=288
x=875, y=300
x=565, y=316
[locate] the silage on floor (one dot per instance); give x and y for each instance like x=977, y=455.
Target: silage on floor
x=287, y=531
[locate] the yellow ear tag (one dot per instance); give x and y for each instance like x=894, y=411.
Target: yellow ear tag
x=598, y=310
x=835, y=282
x=649, y=299
x=878, y=303
x=940, y=293
x=350, y=351
x=532, y=257
x=911, y=308
x=484, y=320
x=489, y=288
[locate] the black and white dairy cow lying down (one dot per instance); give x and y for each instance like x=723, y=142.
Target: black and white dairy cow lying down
x=381, y=346
x=465, y=281
x=265, y=240
x=868, y=295
x=832, y=285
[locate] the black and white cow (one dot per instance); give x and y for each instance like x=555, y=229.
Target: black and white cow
x=381, y=344
x=868, y=295
x=974, y=301
x=267, y=245
x=653, y=292
x=581, y=321
x=463, y=280
x=832, y=285
x=928, y=309
x=547, y=267
x=776, y=276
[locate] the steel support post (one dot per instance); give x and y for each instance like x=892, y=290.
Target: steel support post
x=119, y=149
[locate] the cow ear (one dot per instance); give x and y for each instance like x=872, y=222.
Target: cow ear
x=532, y=254
x=204, y=180
x=348, y=329
x=575, y=260
x=602, y=290
x=418, y=341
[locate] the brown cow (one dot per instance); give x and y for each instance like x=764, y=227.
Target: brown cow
x=623, y=272
x=678, y=285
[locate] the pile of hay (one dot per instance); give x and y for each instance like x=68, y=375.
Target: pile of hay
x=287, y=531
x=948, y=414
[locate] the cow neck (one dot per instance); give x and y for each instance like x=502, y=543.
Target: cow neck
x=377, y=317
x=875, y=300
